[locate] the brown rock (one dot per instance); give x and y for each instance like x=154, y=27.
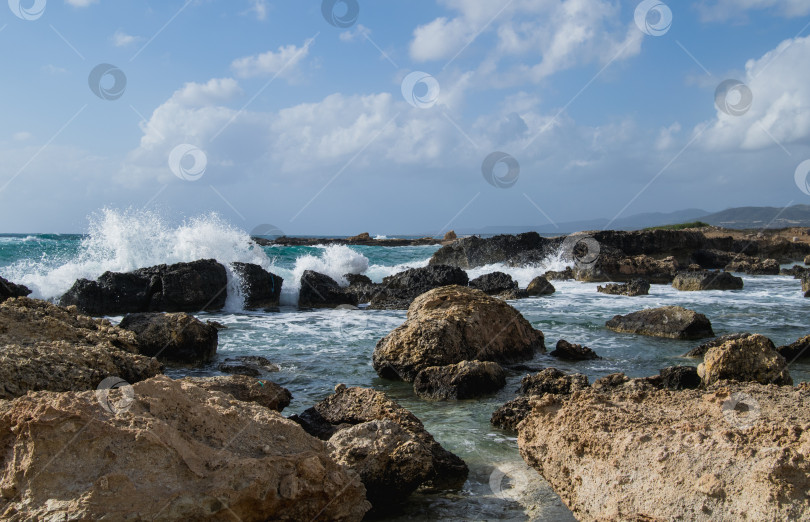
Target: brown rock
x=674, y=322
x=706, y=280
x=633, y=288
x=246, y=389
x=806, y=285
x=797, y=350
x=701, y=350
x=751, y=358
x=573, y=352
x=465, y=380
x=540, y=286
x=365, y=236
x=175, y=338
x=450, y=236
x=755, y=267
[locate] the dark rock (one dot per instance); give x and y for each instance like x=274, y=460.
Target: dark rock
x=613, y=265
x=494, y=283
x=566, y=274
x=260, y=288
x=680, y=378
x=712, y=259
x=806, y=285
x=552, y=380
x=633, y=288
x=573, y=352
x=797, y=350
x=701, y=350
x=472, y=252
x=175, y=338
x=807, y=260
x=321, y=291
x=246, y=389
x=706, y=280
x=508, y=416
x=796, y=271
x=216, y=324
x=608, y=382
x=540, y=286
x=465, y=380
x=182, y=287
x=250, y=365
x=398, y=291
x=673, y=322
x=757, y=267
x=358, y=279
x=365, y=236
x=9, y=289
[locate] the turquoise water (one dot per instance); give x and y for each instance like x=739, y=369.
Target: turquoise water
x=318, y=349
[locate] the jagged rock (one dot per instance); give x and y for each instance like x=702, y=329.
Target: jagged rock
x=453, y=324
x=365, y=236
x=796, y=271
x=613, y=380
x=48, y=347
x=246, y=389
x=494, y=283
x=321, y=291
x=398, y=291
x=563, y=275
x=633, y=288
x=508, y=416
x=249, y=365
x=540, y=286
x=472, y=252
x=450, y=236
x=9, y=289
x=797, y=350
x=616, y=266
x=260, y=288
x=391, y=461
x=573, y=352
x=752, y=358
x=647, y=454
x=766, y=267
x=357, y=279
x=350, y=406
x=182, y=287
x=465, y=380
x=175, y=338
x=674, y=322
x=806, y=285
x=680, y=378
x=701, y=350
x=172, y=451
x=706, y=280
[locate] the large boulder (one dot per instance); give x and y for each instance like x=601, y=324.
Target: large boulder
x=751, y=358
x=737, y=452
x=170, y=450
x=48, y=347
x=453, y=324
x=182, y=287
x=701, y=350
x=706, y=280
x=616, y=266
x=631, y=289
x=321, y=291
x=175, y=338
x=539, y=286
x=260, y=288
x=796, y=350
x=674, y=322
x=9, y=289
x=473, y=251
x=351, y=406
x=242, y=388
x=398, y=291
x=494, y=283
x=573, y=352
x=465, y=380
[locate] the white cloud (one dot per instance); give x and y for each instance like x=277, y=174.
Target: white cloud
x=720, y=10
x=80, y=3
x=667, y=135
x=259, y=8
x=22, y=136
x=122, y=39
x=282, y=62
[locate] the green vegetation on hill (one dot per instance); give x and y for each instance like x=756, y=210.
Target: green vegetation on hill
x=681, y=226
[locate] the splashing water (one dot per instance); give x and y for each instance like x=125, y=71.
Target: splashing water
x=335, y=261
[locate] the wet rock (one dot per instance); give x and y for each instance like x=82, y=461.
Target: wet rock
x=351, y=406
x=680, y=378
x=494, y=283
x=172, y=451
x=250, y=365
x=806, y=285
x=182, y=287
x=701, y=350
x=453, y=324
x=508, y=416
x=357, y=279
x=321, y=291
x=797, y=350
x=260, y=288
x=807, y=260
x=554, y=381
x=674, y=322
x=472, y=252
x=391, y=461
x=706, y=280
x=465, y=380
x=563, y=275
x=48, y=347
x=573, y=352
x=539, y=286
x=398, y=291
x=9, y=290
x=796, y=271
x=633, y=288
x=757, y=267
x=752, y=358
x=246, y=389
x=173, y=338
x=616, y=266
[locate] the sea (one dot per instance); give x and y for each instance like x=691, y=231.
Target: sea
x=316, y=350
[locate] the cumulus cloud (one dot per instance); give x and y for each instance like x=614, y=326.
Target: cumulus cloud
x=258, y=8
x=720, y=10
x=282, y=62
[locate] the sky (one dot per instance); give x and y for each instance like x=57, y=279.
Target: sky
x=337, y=117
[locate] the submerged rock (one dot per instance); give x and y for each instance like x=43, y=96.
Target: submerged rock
x=539, y=286
x=494, y=283
x=250, y=365
x=573, y=352
x=674, y=322
x=465, y=380
x=453, y=324
x=706, y=280
x=246, y=389
x=9, y=290
x=321, y=291
x=175, y=338
x=260, y=288
x=633, y=288
x=752, y=358
x=176, y=452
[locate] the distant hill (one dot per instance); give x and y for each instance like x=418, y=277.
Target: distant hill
x=761, y=217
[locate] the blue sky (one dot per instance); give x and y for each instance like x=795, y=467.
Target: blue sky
x=277, y=116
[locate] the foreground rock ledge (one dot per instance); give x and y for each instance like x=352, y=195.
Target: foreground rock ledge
x=178, y=452
x=731, y=452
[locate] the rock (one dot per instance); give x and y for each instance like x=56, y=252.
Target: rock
x=616, y=266
x=508, y=416
x=540, y=286
x=321, y=291
x=47, y=347
x=494, y=283
x=573, y=352
x=351, y=406
x=250, y=365
x=766, y=267
x=450, y=236
x=473, y=251
x=391, y=461
x=751, y=358
x=646, y=454
x=706, y=280
x=398, y=291
x=245, y=389
x=633, y=288
x=673, y=322
x=260, y=288
x=453, y=324
x=713, y=259
x=701, y=350
x=566, y=274
x=796, y=271
x=806, y=285
x=175, y=338
x=613, y=380
x=365, y=236
x=807, y=260
x=797, y=350
x=465, y=380
x=182, y=287
x=357, y=279
x=680, y=378
x=9, y=289
x=175, y=451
